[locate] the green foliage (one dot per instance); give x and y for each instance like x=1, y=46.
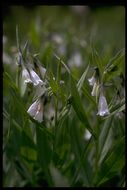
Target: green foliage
x=72, y=146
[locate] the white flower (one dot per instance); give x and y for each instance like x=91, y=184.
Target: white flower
x=36, y=110
x=35, y=78
x=92, y=81
x=102, y=106
x=26, y=76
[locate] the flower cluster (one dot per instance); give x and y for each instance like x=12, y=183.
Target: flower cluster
x=29, y=76
x=36, y=109
x=97, y=90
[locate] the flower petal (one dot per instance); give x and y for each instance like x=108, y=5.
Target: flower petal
x=39, y=114
x=36, y=110
x=26, y=76
x=35, y=78
x=102, y=106
x=33, y=109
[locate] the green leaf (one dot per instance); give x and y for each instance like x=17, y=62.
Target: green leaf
x=29, y=154
x=114, y=61
x=14, y=143
x=79, y=150
x=78, y=107
x=97, y=60
x=24, y=172
x=82, y=79
x=62, y=62
x=113, y=162
x=24, y=51
x=27, y=141
x=44, y=152
x=17, y=38
x=88, y=95
x=115, y=66
x=43, y=147
x=103, y=137
x=118, y=108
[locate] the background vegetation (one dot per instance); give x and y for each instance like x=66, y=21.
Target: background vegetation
x=70, y=42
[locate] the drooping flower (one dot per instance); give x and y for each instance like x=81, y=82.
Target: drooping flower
x=35, y=78
x=102, y=106
x=26, y=76
x=36, y=110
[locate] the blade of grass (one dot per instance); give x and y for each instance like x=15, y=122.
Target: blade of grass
x=82, y=79
x=97, y=60
x=44, y=152
x=65, y=66
x=113, y=162
x=115, y=60
x=83, y=155
x=78, y=107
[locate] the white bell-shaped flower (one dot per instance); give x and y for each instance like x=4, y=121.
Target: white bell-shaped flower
x=26, y=76
x=102, y=106
x=35, y=78
x=36, y=110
